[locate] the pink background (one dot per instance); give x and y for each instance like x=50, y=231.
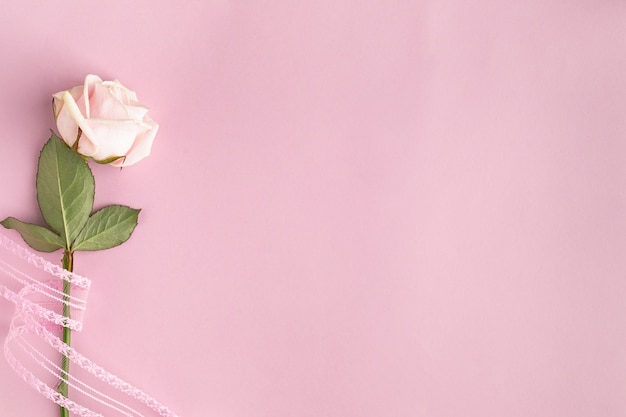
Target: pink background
x=352, y=209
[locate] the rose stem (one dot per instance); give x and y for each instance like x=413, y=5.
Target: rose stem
x=68, y=264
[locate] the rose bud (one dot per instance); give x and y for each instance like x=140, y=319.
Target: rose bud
x=103, y=120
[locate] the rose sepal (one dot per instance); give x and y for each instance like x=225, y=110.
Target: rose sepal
x=107, y=160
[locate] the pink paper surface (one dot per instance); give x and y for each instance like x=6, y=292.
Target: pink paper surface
x=352, y=209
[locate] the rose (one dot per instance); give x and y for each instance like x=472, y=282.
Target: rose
x=104, y=121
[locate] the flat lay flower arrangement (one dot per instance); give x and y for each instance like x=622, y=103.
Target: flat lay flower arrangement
x=101, y=122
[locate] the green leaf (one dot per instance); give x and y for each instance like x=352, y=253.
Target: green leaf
x=65, y=189
x=37, y=237
x=108, y=227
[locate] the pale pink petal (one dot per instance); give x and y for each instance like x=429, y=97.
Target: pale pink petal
x=104, y=105
x=114, y=137
x=68, y=129
x=88, y=88
x=66, y=125
x=69, y=120
x=122, y=93
x=137, y=112
x=142, y=146
x=87, y=144
x=75, y=92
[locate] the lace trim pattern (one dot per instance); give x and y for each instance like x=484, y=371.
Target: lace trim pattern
x=32, y=348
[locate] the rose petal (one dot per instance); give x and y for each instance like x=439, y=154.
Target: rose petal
x=114, y=137
x=137, y=112
x=125, y=95
x=104, y=105
x=142, y=146
x=88, y=88
x=75, y=92
x=66, y=125
x=87, y=144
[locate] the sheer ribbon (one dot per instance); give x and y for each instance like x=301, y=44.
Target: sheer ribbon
x=33, y=349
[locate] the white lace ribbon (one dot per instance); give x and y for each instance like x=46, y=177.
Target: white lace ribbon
x=33, y=349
